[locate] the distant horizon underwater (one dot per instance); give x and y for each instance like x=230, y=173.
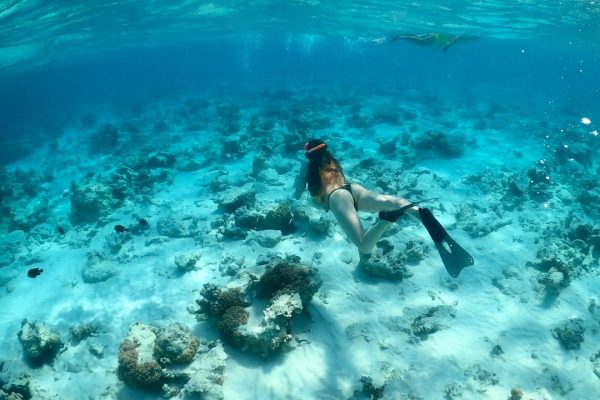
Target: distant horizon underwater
x=157, y=239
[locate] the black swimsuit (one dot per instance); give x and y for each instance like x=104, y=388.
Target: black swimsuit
x=348, y=187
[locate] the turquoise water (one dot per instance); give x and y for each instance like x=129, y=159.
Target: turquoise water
x=185, y=125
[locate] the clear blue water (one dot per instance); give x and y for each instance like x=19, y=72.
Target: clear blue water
x=522, y=91
x=58, y=58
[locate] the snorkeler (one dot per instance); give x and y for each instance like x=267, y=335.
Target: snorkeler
x=328, y=186
x=438, y=40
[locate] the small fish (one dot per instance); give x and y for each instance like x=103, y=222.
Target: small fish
x=33, y=272
x=120, y=229
x=61, y=230
x=143, y=222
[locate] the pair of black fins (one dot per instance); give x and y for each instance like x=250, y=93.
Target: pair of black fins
x=454, y=257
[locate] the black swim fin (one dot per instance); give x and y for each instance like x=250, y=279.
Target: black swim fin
x=454, y=257
x=393, y=215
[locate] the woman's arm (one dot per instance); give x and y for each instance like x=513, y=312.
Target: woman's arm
x=342, y=206
x=300, y=182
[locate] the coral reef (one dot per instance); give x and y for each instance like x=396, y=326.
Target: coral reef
x=268, y=238
x=288, y=287
x=206, y=376
x=160, y=159
x=80, y=332
x=174, y=227
x=143, y=375
x=310, y=219
x=273, y=331
x=595, y=359
x=283, y=277
x=215, y=301
x=40, y=343
x=567, y=251
x=97, y=268
x=176, y=344
x=385, y=263
x=230, y=321
x=369, y=390
x=279, y=217
x=570, y=333
x=236, y=198
x=104, y=139
x=481, y=378
x=173, y=360
x=441, y=144
x=231, y=265
x=14, y=384
x=431, y=321
x=186, y=262
x=515, y=394
x=92, y=201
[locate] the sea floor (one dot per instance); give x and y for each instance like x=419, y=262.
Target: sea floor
x=517, y=190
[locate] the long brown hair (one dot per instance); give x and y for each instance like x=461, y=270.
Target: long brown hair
x=319, y=159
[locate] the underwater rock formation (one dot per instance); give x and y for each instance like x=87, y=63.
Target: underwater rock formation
x=287, y=277
x=287, y=286
x=40, y=343
x=233, y=199
x=206, y=375
x=27, y=217
x=92, y=201
x=570, y=333
x=279, y=217
x=186, y=262
x=14, y=384
x=595, y=359
x=98, y=268
x=387, y=263
x=215, y=301
x=137, y=366
x=80, y=332
x=268, y=238
x=272, y=332
x=481, y=378
x=158, y=159
x=231, y=265
x=176, y=344
x=432, y=320
x=511, y=283
x=441, y=144
x=310, y=219
x=368, y=390
x=479, y=224
x=105, y=139
x=568, y=250
x=174, y=226
x=148, y=354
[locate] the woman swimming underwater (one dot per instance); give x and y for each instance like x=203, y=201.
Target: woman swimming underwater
x=328, y=186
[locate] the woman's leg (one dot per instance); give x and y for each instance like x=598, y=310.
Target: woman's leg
x=372, y=202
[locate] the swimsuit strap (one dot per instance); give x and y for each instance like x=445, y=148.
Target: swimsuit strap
x=348, y=187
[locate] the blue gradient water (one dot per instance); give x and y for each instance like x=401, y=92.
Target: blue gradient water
x=522, y=94
x=110, y=55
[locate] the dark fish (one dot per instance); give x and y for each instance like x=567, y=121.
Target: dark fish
x=143, y=222
x=120, y=229
x=61, y=230
x=33, y=272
